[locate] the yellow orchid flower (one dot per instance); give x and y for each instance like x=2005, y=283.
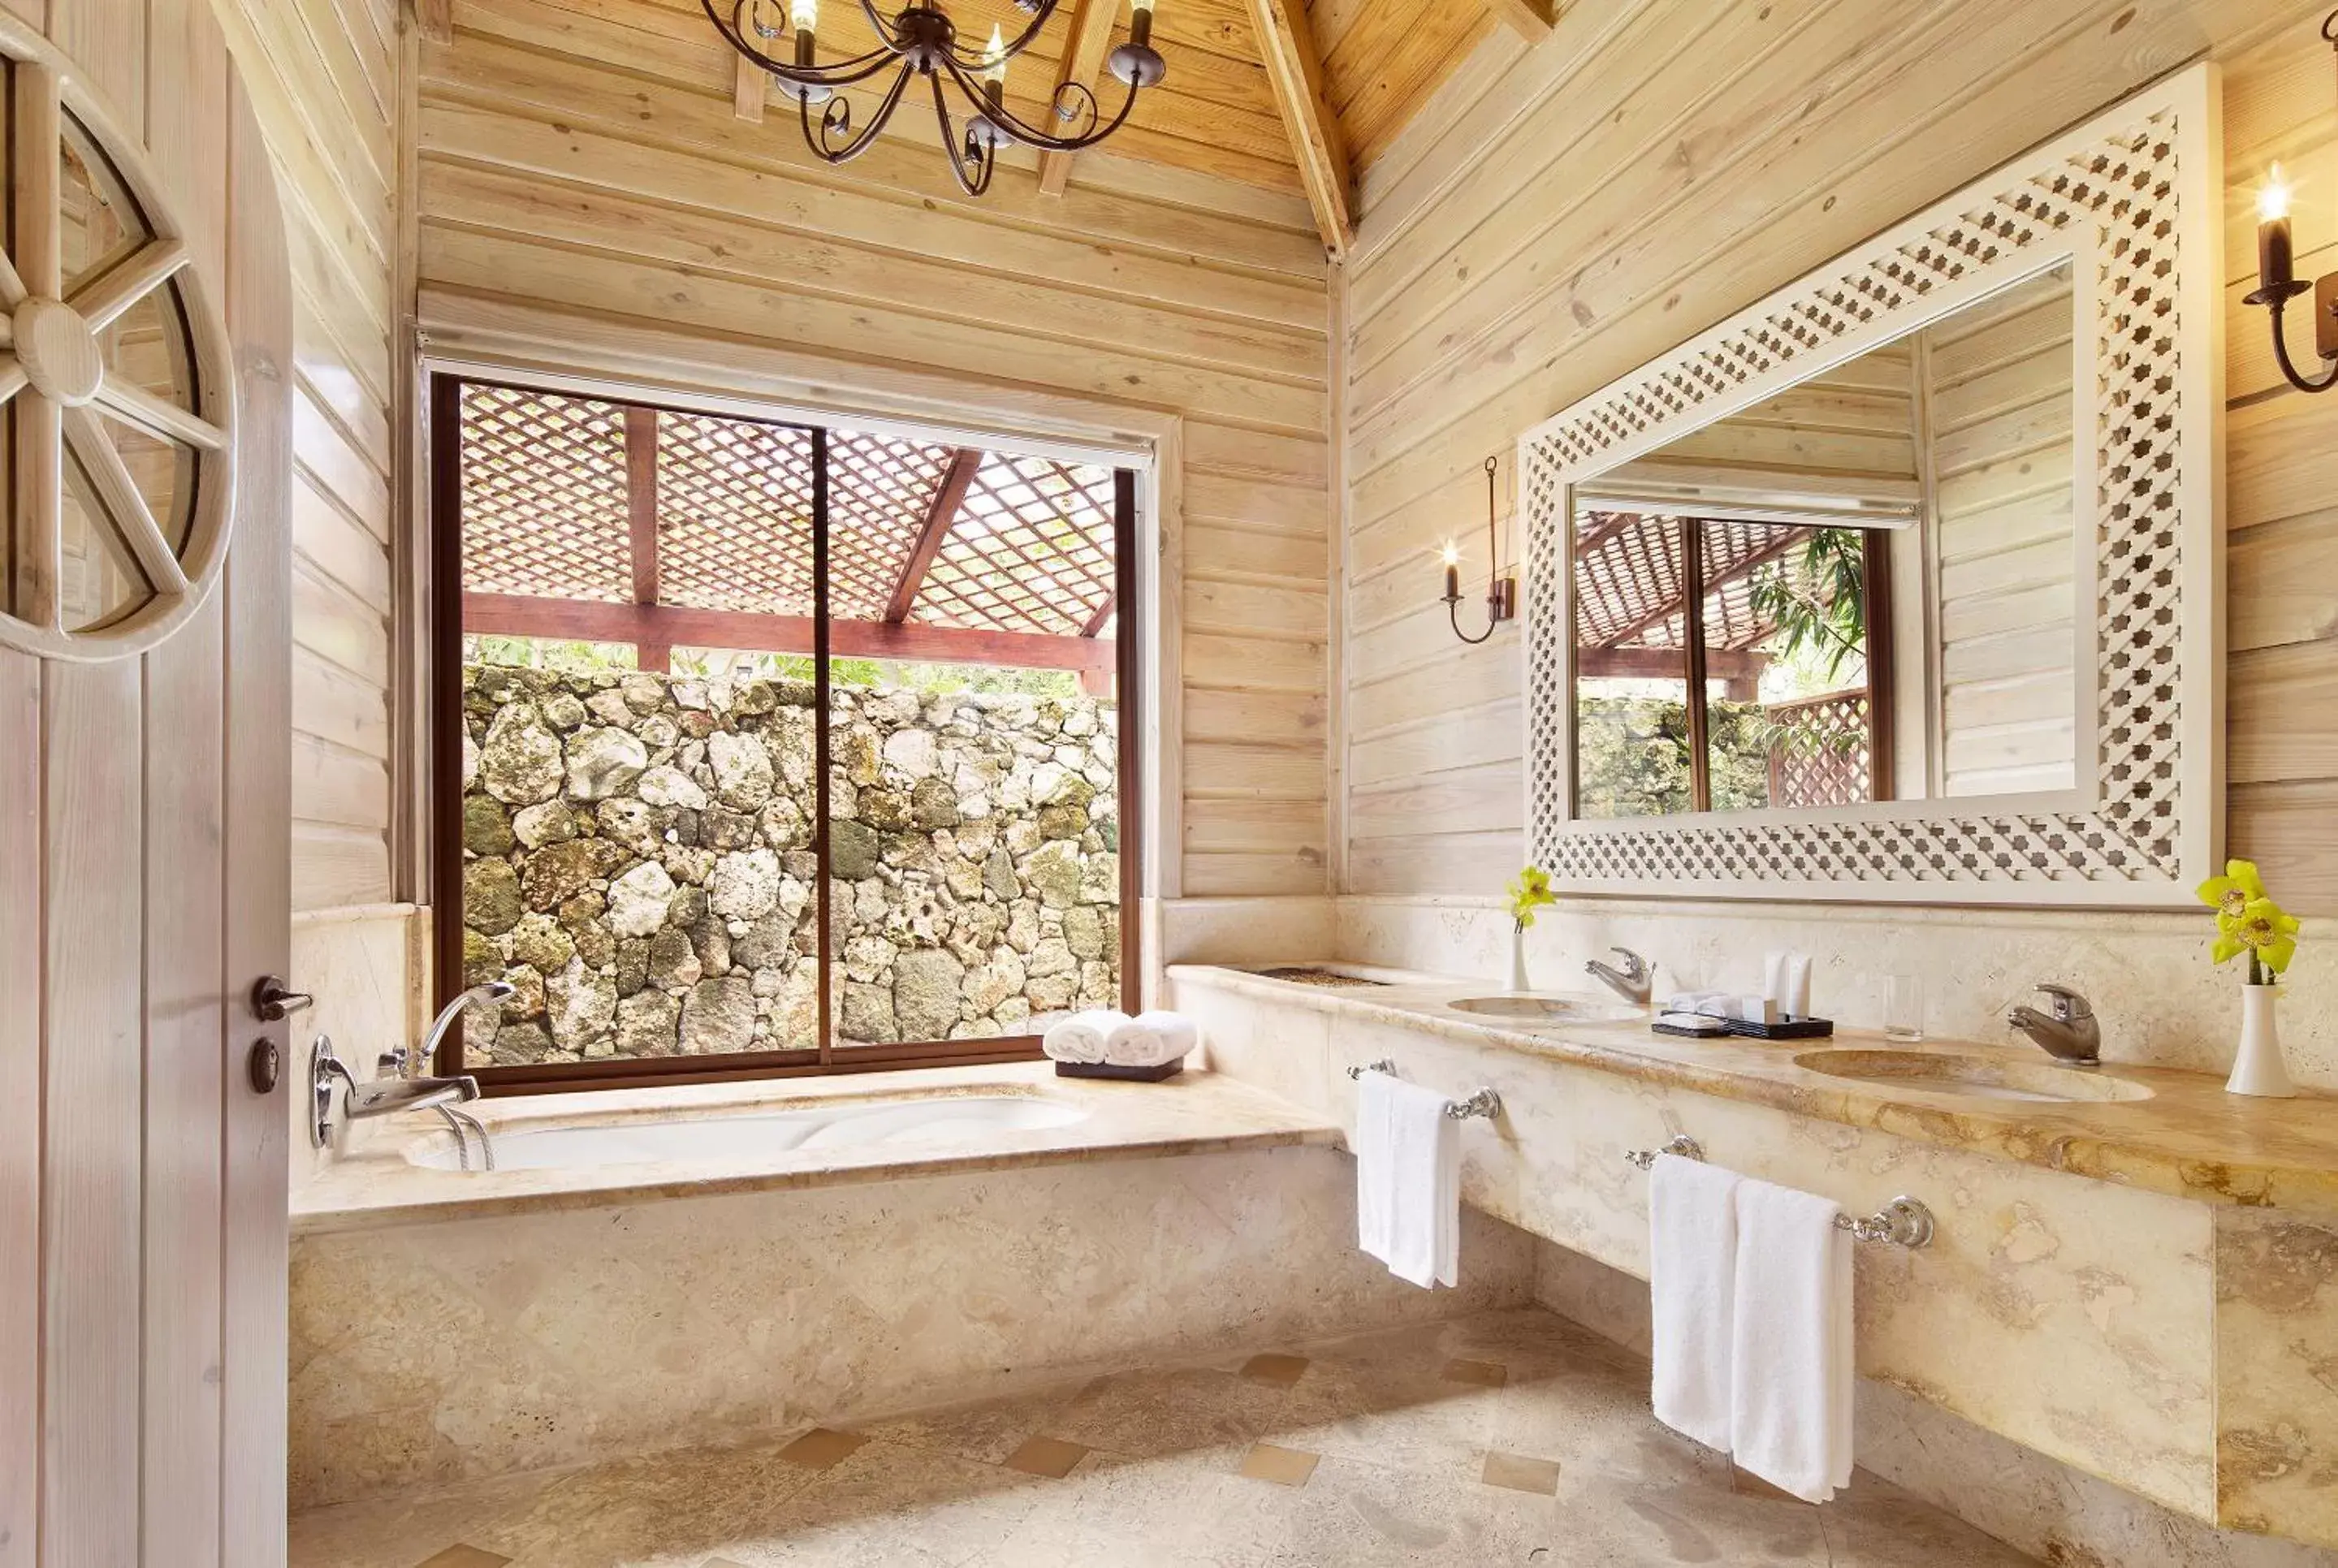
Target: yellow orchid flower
x=2248, y=921
x=1529, y=892
x=2230, y=895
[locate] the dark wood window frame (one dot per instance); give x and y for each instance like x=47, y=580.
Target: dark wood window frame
x=1875, y=570
x=655, y=630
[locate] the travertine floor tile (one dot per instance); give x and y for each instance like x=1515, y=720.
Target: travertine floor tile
x=1376, y=1456
x=1049, y=1456
x=1284, y=1466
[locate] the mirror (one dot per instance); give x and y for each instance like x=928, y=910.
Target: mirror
x=1871, y=580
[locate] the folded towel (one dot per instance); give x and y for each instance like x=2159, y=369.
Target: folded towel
x=1081, y=1037
x=1791, y=1349
x=1408, y=1179
x=1692, y=1284
x=1149, y=1039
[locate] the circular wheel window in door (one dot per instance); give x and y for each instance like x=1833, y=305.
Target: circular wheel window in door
x=117, y=397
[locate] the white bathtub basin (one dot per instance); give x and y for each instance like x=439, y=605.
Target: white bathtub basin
x=939, y=1119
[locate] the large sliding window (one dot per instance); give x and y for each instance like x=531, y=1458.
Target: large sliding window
x=763, y=748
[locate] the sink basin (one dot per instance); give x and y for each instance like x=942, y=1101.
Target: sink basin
x=1973, y=1077
x=1548, y=1009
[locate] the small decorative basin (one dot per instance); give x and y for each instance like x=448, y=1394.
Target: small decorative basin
x=1973, y=1077
x=1516, y=1009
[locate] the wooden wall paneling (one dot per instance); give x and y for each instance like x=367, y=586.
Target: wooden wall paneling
x=547, y=176
x=1558, y=299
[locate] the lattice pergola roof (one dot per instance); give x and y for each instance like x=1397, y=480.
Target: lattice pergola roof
x=1629, y=580
x=555, y=490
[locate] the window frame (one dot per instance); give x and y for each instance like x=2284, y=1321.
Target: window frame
x=444, y=808
x=1875, y=571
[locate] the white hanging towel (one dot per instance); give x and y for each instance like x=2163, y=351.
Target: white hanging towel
x=1081, y=1037
x=1149, y=1039
x=1693, y=1286
x=1790, y=1356
x=1408, y=1179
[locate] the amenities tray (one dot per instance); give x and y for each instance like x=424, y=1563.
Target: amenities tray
x=1784, y=1029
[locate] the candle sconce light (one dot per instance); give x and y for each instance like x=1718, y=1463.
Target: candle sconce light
x=2277, y=280
x=1502, y=588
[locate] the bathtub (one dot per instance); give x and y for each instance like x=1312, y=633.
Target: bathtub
x=930, y=1121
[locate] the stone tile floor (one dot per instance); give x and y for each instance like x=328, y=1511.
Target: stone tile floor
x=1507, y=1437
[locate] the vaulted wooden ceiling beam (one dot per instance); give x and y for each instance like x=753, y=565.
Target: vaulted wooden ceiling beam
x=750, y=86
x=1090, y=41
x=1530, y=19
x=1296, y=73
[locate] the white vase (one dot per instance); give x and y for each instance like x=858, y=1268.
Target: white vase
x=2258, y=1068
x=1519, y=961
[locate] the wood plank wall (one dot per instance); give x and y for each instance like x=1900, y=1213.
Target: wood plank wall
x=324, y=81
x=1560, y=214
x=583, y=155
x=1997, y=384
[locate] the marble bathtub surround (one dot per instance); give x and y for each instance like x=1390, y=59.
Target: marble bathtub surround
x=509, y=1336
x=1368, y=1458
x=379, y=1184
x=2188, y=1138
x=2078, y=1315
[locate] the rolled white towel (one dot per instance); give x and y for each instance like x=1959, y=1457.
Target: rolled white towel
x=1081, y=1036
x=1151, y=1039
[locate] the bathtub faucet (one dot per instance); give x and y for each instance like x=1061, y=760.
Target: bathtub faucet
x=394, y=1088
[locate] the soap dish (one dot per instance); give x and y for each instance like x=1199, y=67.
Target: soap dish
x=1784, y=1029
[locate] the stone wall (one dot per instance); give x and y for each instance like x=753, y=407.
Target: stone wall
x=638, y=863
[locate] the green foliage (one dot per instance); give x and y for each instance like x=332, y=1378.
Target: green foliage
x=932, y=679
x=1818, y=600
x=1632, y=756
x=544, y=653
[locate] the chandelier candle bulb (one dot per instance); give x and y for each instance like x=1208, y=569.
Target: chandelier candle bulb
x=994, y=64
x=2276, y=267
x=1452, y=572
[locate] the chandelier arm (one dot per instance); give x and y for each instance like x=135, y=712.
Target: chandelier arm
x=885, y=30
x=836, y=119
x=835, y=73
x=1029, y=135
x=971, y=168
x=2280, y=355
x=1013, y=46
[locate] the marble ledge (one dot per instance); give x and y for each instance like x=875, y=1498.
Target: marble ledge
x=2189, y=1140
x=1196, y=1113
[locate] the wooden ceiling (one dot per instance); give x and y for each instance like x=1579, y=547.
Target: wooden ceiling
x=1289, y=94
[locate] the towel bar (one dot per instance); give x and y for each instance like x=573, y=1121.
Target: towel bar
x=1904, y=1221
x=1484, y=1102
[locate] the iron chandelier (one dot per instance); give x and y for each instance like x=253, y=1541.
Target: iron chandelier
x=920, y=40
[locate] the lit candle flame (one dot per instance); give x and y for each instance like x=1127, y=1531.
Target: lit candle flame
x=805, y=15
x=1452, y=554
x=994, y=57
x=2272, y=202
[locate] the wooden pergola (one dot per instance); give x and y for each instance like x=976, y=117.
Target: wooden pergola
x=603, y=522
x=1648, y=586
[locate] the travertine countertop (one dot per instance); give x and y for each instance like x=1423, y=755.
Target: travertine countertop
x=1193, y=1114
x=2189, y=1138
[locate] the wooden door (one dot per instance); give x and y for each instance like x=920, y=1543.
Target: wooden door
x=145, y=757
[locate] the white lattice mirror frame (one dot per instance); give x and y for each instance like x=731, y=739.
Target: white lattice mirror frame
x=2132, y=199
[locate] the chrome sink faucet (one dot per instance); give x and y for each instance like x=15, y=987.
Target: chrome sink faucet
x=2067, y=1030
x=1635, y=982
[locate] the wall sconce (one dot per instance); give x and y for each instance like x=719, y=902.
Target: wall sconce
x=2277, y=280
x=1501, y=590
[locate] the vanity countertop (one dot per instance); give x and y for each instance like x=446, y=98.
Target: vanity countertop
x=2190, y=1138
x=1194, y=1112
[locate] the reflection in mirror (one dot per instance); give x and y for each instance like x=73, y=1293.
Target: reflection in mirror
x=1868, y=582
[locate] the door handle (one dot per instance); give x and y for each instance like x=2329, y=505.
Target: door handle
x=273, y=1003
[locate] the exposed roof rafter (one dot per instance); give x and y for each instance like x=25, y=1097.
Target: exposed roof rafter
x=1090, y=41
x=1530, y=19
x=1295, y=71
